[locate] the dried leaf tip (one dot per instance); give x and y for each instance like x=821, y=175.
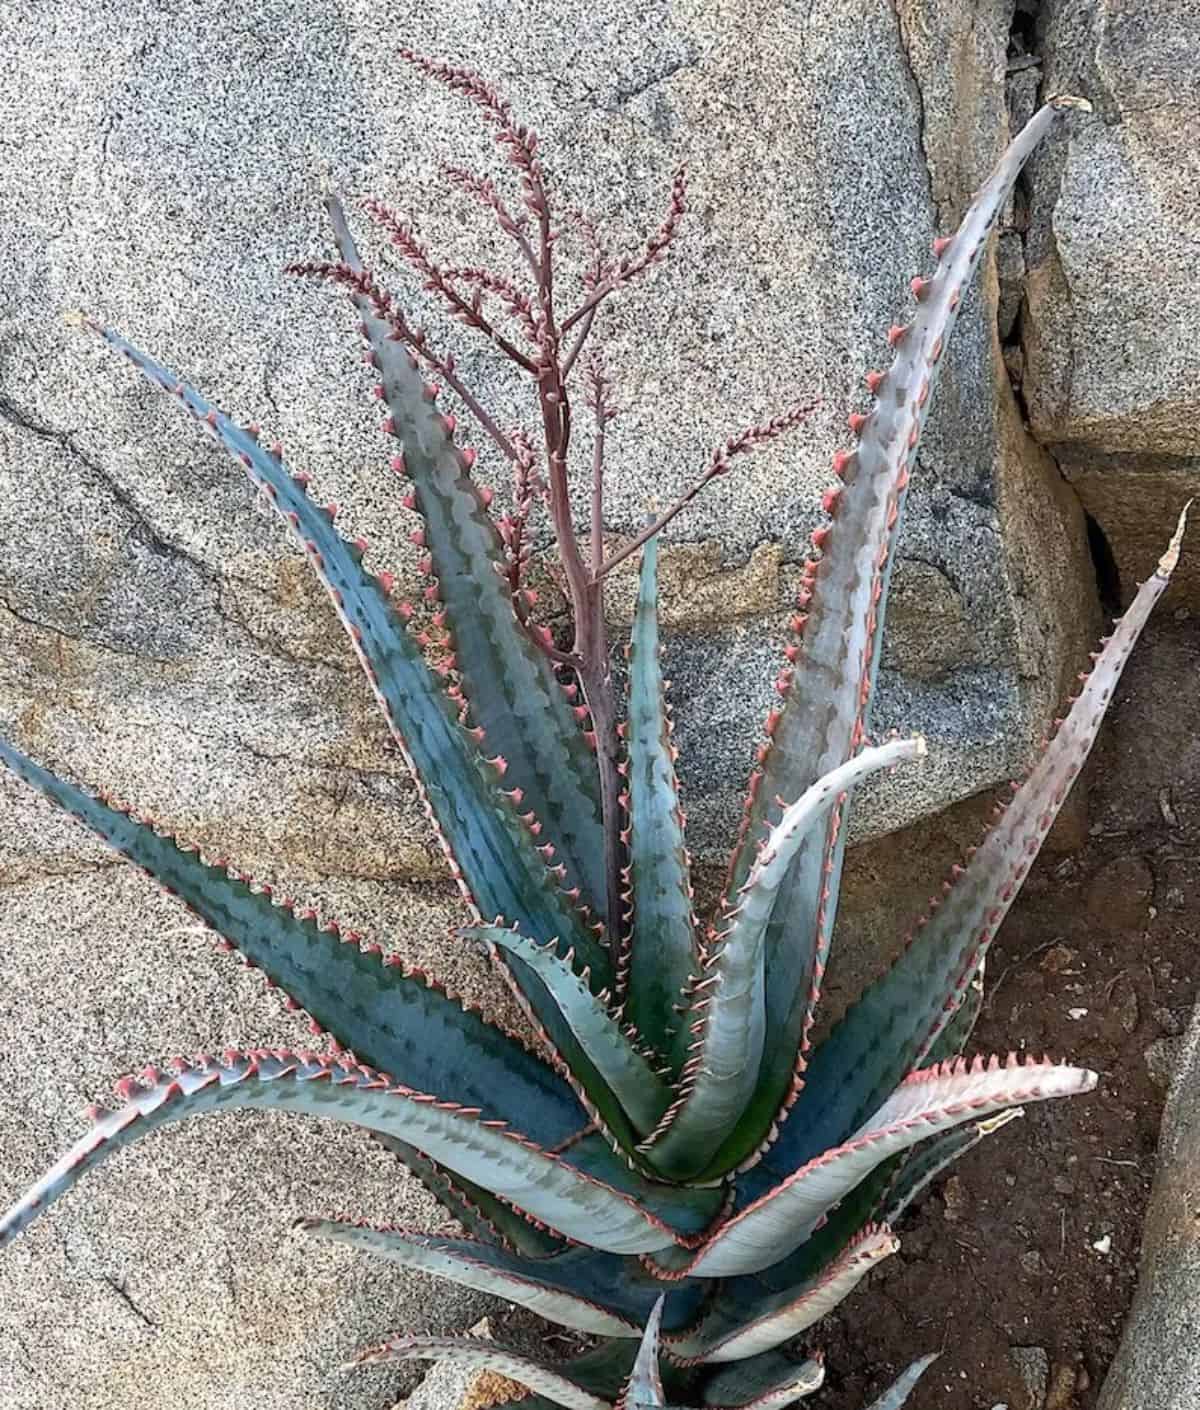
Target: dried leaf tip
x=1069, y=100
x=1002, y=1118
x=1166, y=564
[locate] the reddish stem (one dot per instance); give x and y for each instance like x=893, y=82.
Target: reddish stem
x=749, y=439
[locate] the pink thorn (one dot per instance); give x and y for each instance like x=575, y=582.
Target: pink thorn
x=417, y=537
x=432, y=391
x=450, y=422
x=386, y=581
x=819, y=536
x=332, y=510
x=920, y=287
x=398, y=465
x=896, y=334
x=486, y=495
x=361, y=544
x=874, y=381
x=857, y=421
x=840, y=461
x=941, y=245
x=830, y=499
x=389, y=426
x=500, y=764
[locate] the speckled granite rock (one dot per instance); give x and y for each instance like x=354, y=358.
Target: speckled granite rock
x=1158, y=1363
x=1112, y=364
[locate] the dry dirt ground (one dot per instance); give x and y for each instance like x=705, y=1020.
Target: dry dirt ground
x=1020, y=1266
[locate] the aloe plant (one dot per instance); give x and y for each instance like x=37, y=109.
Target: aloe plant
x=672, y=1148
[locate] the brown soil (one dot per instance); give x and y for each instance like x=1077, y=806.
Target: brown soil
x=1033, y=1241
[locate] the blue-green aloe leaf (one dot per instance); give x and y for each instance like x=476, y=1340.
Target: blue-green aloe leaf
x=508, y=680
x=733, y=1326
x=490, y=846
x=588, y=1382
x=728, y=1005
x=483, y=1150
x=392, y=1019
x=768, y=1381
x=842, y=609
x=926, y=1103
x=479, y=1212
x=662, y=938
x=644, y=1389
x=628, y=1073
x=896, y=1395
x=927, y=1162
x=893, y=1026
x=492, y=849
x=563, y=1289
x=541, y=1377
x=591, y=1291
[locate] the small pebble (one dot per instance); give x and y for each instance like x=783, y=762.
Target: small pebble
x=956, y=1199
x=1103, y=1246
x=1162, y=1059
x=1125, y=1005
x=1171, y=1021
x=1058, y=960
x=1033, y=1366
x=1062, y=1389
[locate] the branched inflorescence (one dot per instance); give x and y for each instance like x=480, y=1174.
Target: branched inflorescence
x=672, y=1151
